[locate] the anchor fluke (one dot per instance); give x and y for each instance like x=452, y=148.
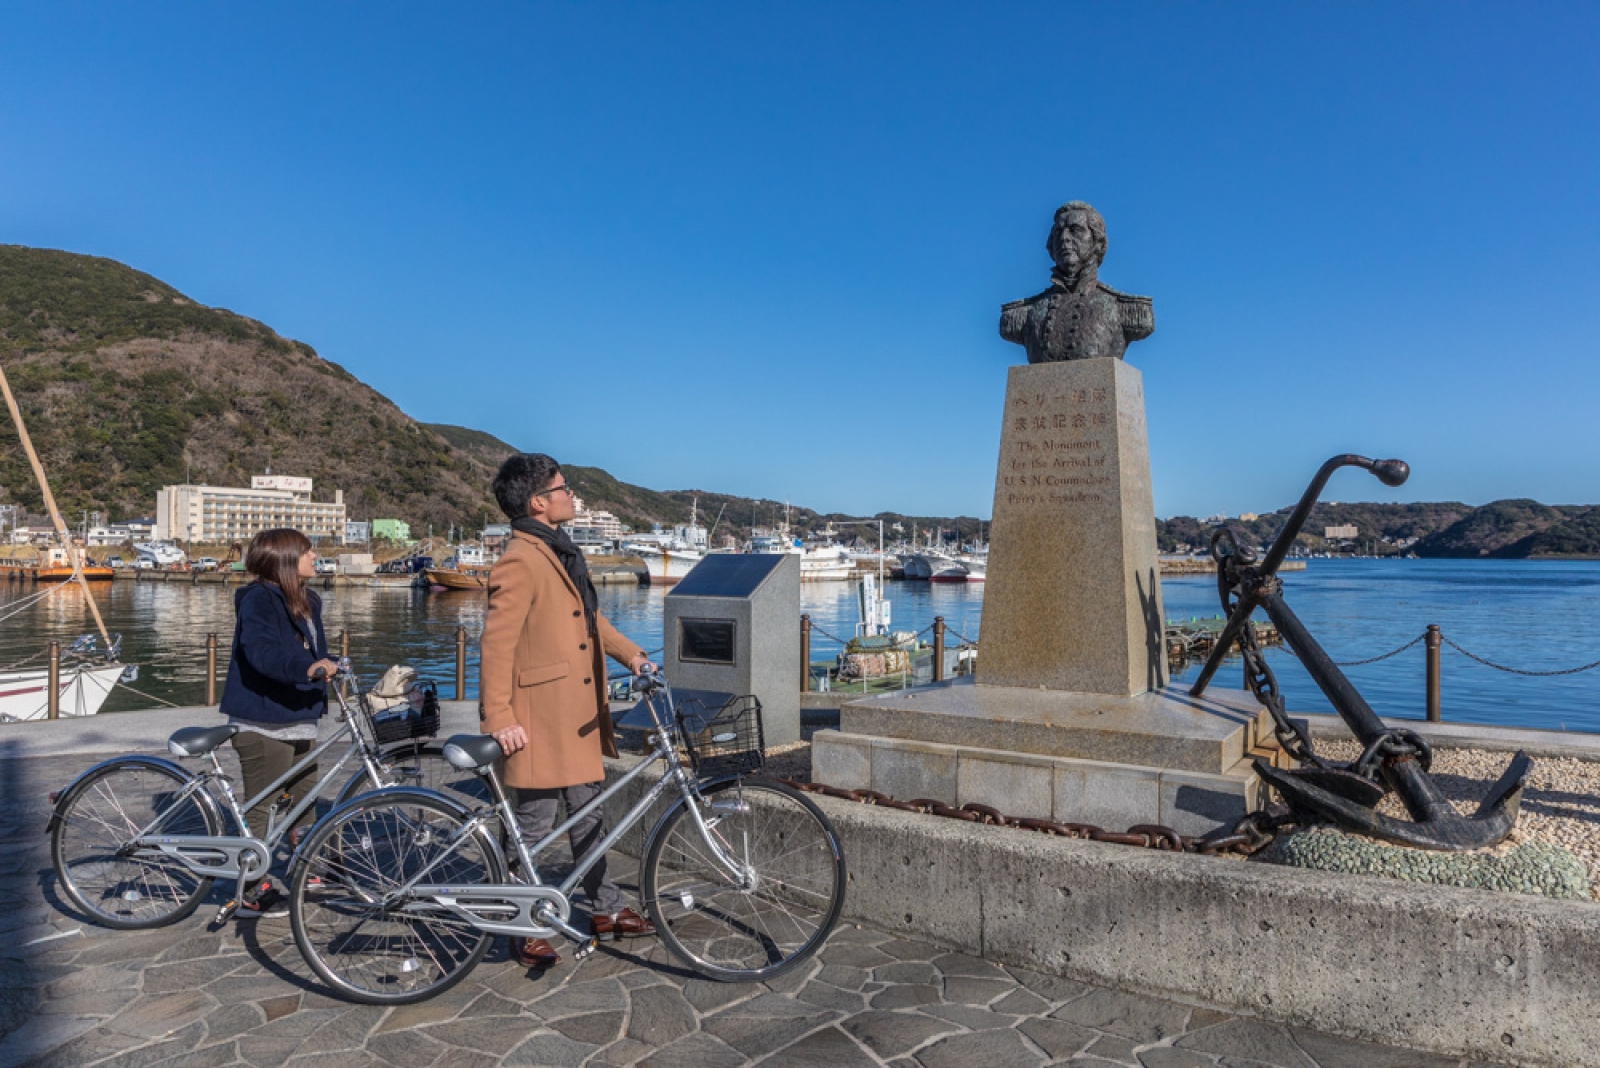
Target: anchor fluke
x=1441, y=828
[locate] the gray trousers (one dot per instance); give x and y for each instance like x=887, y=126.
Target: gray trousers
x=536, y=817
x=262, y=759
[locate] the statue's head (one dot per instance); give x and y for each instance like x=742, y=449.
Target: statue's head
x=1077, y=237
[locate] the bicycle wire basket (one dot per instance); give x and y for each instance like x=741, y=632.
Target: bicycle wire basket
x=724, y=741
x=405, y=723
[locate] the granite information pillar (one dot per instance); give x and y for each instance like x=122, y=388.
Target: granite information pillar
x=1073, y=598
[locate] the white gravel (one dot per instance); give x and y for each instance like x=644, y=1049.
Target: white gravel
x=1560, y=803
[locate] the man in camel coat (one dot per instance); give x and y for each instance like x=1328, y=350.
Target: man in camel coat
x=542, y=682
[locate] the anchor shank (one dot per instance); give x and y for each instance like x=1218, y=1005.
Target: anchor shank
x=1349, y=703
x=1405, y=776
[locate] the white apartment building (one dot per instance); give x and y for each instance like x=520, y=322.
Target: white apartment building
x=216, y=514
x=593, y=528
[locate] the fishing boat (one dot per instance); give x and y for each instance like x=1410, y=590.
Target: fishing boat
x=57, y=567
x=458, y=578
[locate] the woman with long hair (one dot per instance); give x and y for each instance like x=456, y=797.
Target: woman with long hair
x=274, y=692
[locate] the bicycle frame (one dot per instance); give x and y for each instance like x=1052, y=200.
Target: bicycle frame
x=529, y=908
x=243, y=855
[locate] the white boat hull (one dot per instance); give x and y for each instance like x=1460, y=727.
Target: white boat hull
x=665, y=567
x=24, y=695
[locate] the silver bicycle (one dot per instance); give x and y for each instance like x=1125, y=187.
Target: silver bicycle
x=397, y=895
x=138, y=841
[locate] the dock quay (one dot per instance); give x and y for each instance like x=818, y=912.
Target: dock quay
x=946, y=960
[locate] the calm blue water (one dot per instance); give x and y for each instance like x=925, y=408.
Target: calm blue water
x=1532, y=615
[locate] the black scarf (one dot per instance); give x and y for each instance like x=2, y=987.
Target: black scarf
x=571, y=558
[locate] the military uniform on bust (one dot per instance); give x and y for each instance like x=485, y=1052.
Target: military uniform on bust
x=1079, y=317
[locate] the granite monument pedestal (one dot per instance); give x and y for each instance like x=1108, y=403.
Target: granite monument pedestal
x=1070, y=717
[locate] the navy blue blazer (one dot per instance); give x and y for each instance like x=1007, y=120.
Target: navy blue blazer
x=272, y=651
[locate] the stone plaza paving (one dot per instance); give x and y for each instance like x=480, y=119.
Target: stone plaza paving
x=188, y=995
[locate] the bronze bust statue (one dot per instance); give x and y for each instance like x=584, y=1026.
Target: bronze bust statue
x=1079, y=317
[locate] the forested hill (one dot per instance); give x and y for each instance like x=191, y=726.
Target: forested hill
x=127, y=385
x=1511, y=529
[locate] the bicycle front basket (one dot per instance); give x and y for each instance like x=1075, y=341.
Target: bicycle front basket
x=405, y=723
x=727, y=741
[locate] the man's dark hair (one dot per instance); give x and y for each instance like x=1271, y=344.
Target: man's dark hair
x=519, y=478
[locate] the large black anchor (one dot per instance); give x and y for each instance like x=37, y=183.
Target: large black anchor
x=1391, y=758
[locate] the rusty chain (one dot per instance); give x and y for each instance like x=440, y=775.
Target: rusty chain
x=1249, y=835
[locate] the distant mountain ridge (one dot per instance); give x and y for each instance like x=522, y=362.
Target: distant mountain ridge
x=1507, y=530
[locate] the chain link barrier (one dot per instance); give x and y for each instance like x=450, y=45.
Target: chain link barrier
x=1518, y=671
x=1246, y=836
x=1385, y=656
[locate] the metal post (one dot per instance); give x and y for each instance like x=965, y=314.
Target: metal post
x=805, y=652
x=461, y=663
x=1433, y=643
x=344, y=643
x=211, y=668
x=52, y=683
x=938, y=648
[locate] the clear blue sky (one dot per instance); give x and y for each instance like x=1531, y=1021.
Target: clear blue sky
x=761, y=248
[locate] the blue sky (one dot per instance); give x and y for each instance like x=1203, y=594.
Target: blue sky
x=761, y=248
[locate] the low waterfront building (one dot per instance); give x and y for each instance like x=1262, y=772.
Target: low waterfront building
x=220, y=514
x=395, y=530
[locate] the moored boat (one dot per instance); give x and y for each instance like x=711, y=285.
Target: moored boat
x=464, y=578
x=24, y=695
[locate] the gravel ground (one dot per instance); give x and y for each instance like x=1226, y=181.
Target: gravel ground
x=1560, y=803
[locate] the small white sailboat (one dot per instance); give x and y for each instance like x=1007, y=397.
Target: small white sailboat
x=87, y=669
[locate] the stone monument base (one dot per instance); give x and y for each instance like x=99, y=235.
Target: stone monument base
x=1160, y=757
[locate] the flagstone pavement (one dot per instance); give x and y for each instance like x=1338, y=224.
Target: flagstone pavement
x=189, y=995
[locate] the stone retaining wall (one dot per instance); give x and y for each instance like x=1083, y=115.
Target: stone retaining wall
x=1508, y=978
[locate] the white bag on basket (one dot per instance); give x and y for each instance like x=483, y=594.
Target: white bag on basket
x=397, y=689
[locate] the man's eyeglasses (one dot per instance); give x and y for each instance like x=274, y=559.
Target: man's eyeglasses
x=563, y=488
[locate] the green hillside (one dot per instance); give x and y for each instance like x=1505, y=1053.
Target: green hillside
x=127, y=385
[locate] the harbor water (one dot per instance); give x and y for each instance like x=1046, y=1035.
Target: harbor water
x=1532, y=615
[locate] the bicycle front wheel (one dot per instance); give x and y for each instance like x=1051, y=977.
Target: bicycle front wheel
x=771, y=914
x=90, y=832
x=366, y=940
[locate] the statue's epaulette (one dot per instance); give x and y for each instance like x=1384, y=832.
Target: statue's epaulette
x=1124, y=298
x=1138, y=313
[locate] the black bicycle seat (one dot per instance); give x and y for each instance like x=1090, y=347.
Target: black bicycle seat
x=198, y=741
x=472, y=752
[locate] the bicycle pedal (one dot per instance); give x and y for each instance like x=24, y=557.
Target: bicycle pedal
x=585, y=950
x=226, y=911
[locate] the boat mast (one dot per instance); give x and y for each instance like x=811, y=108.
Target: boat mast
x=50, y=506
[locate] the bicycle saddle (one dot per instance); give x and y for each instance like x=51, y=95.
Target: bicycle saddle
x=198, y=741
x=472, y=752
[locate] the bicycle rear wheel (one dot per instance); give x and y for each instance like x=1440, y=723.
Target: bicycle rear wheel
x=758, y=924
x=89, y=831
x=388, y=952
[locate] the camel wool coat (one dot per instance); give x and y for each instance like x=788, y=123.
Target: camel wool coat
x=539, y=667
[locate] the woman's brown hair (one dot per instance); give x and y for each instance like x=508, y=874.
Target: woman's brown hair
x=274, y=556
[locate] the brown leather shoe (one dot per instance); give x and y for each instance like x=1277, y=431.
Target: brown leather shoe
x=624, y=924
x=534, y=953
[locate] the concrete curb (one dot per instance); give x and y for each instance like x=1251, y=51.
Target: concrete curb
x=1536, y=743
x=1507, y=978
